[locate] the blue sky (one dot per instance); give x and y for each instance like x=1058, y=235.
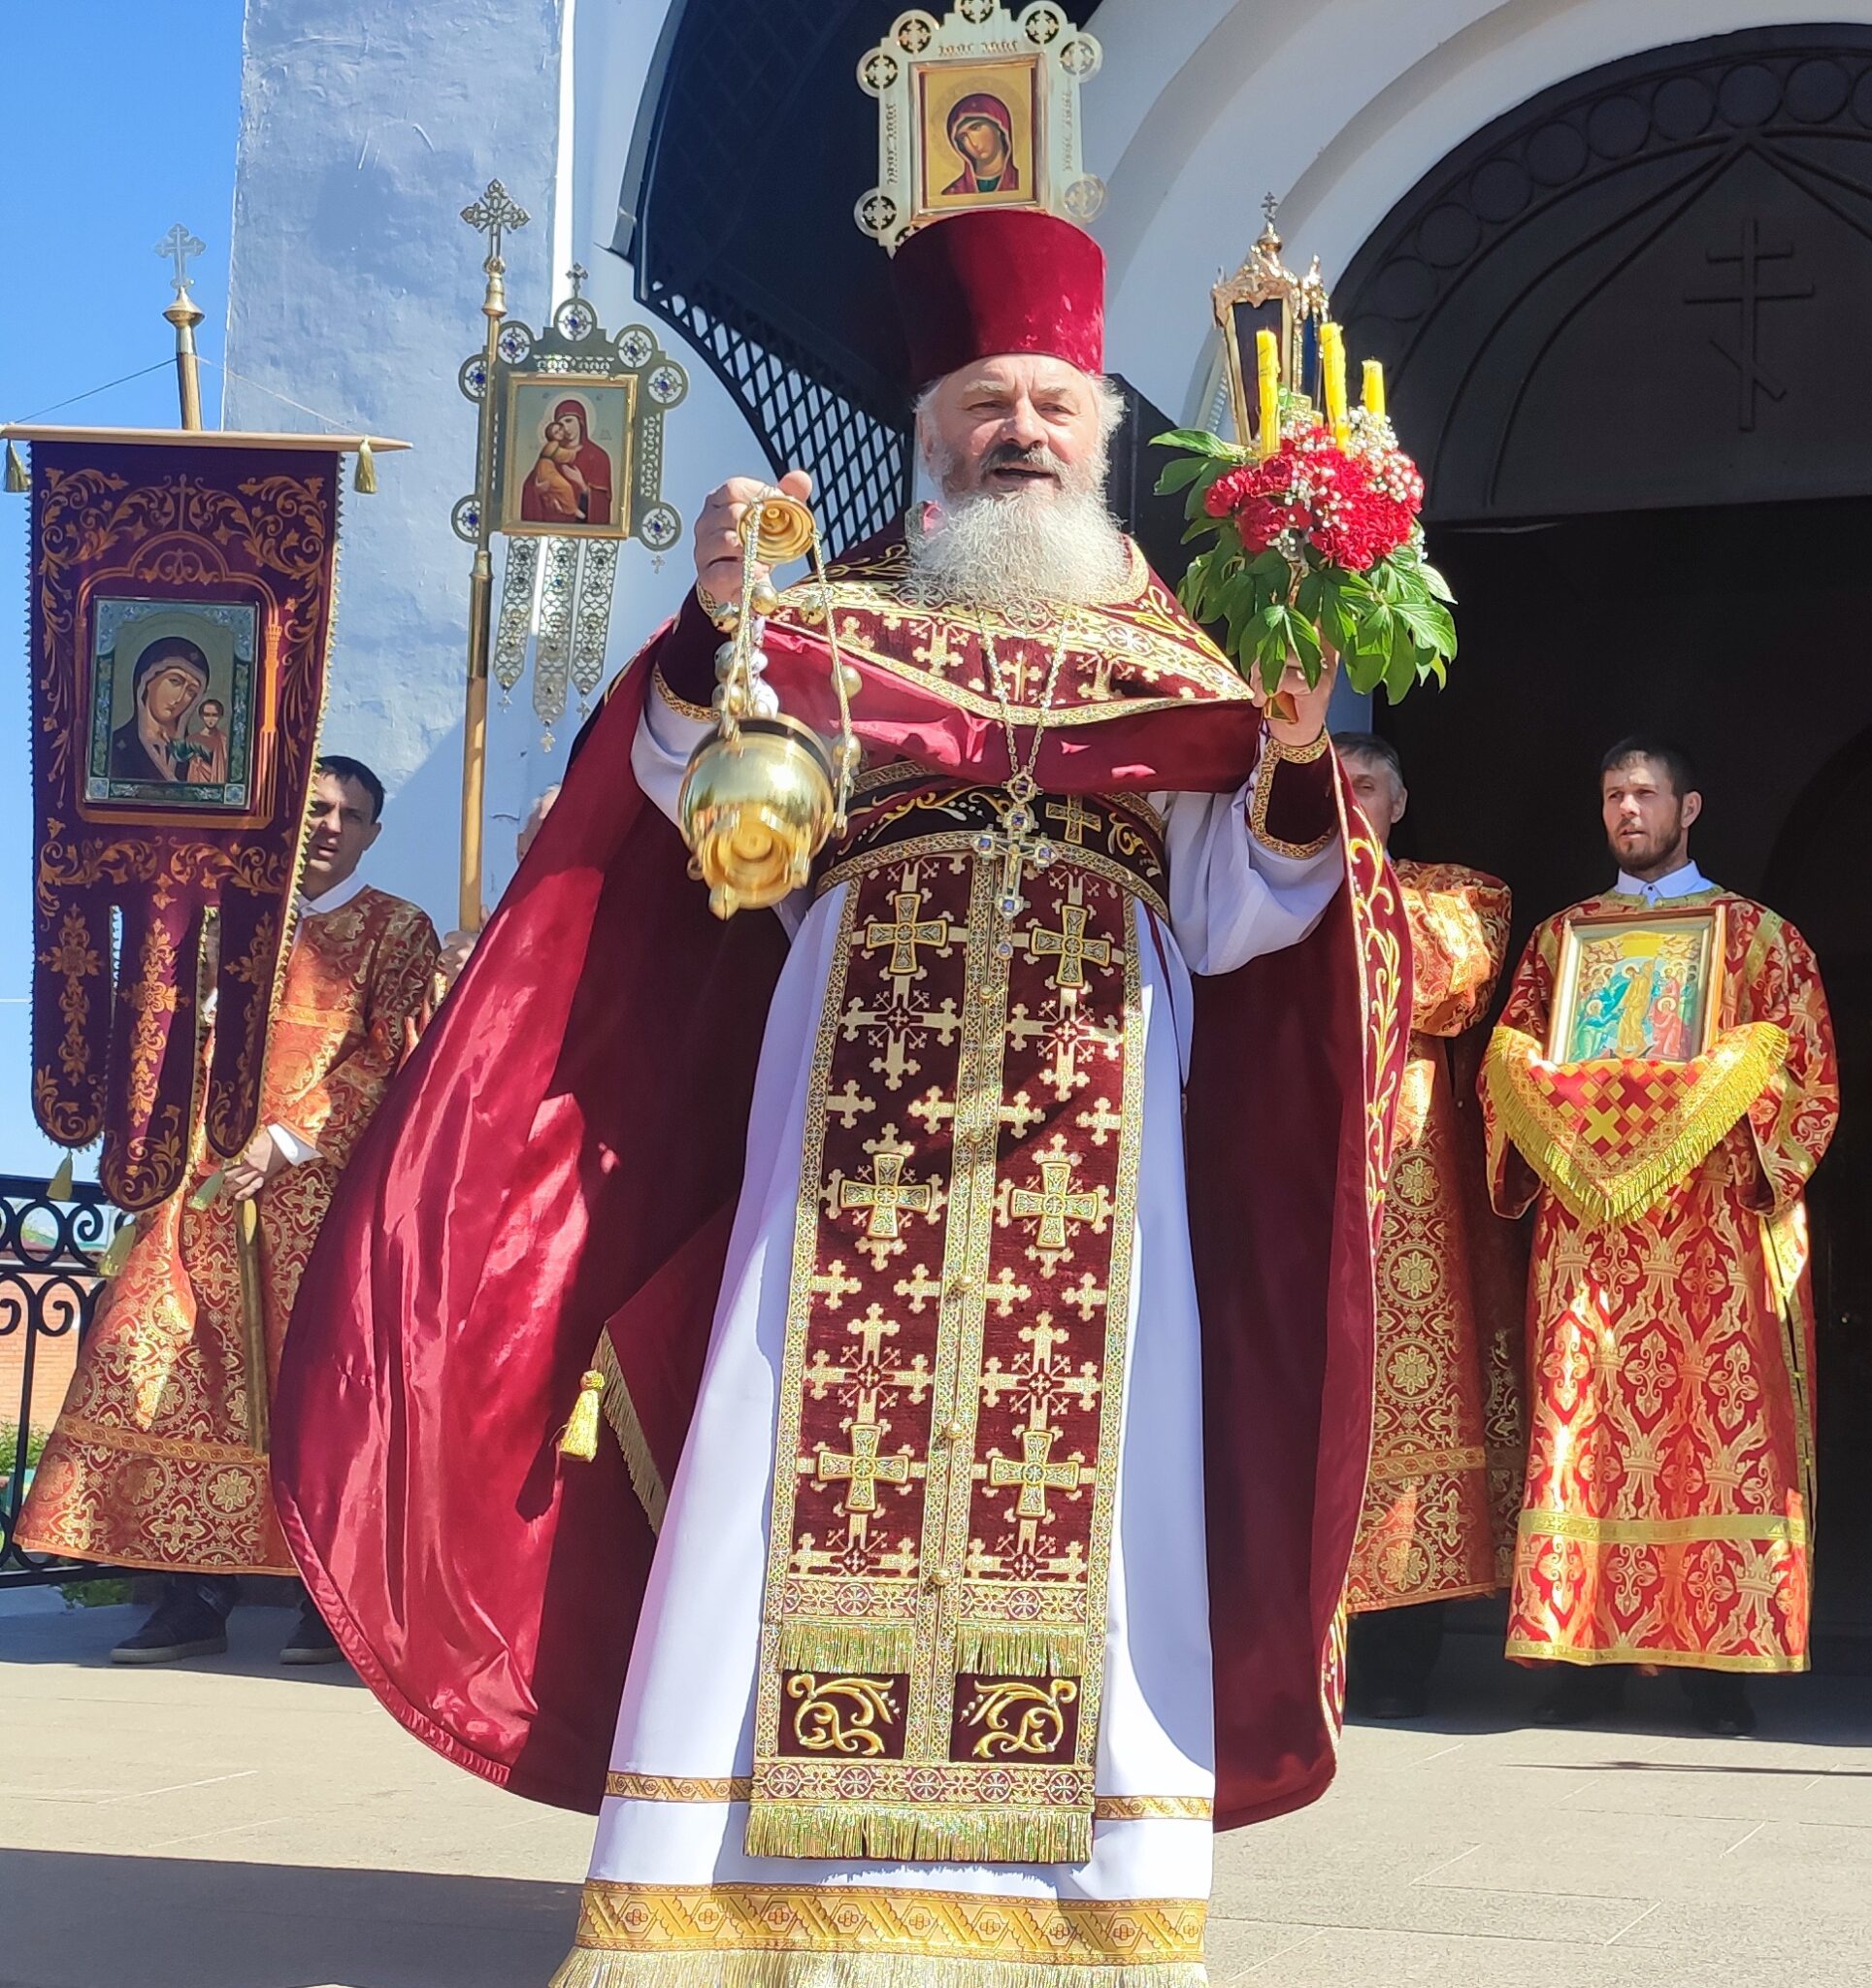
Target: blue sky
x=161, y=85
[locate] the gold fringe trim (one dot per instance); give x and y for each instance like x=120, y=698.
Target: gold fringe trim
x=620, y=1412
x=994, y=1649
x=1742, y=1063
x=919, y=1835
x=626, y=1784
x=875, y=1648
x=589, y=1968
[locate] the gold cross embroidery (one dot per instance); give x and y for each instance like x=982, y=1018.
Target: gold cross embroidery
x=1074, y=818
x=1034, y=1474
x=1100, y=1122
x=1071, y=946
x=886, y=1193
x=1056, y=1204
x=863, y=1469
x=908, y=933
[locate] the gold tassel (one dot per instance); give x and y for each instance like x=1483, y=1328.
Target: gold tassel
x=18, y=480
x=364, y=478
x=579, y=1437
x=117, y=1254
x=59, y=1187
x=208, y=1193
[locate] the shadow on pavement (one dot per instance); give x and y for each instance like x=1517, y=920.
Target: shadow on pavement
x=79, y=1921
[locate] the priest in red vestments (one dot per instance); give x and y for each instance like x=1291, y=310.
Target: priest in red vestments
x=986, y=1438
x=1446, y=1442
x=1667, y=1512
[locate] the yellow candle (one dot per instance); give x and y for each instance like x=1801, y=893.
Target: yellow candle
x=1268, y=372
x=1333, y=373
x=1374, y=389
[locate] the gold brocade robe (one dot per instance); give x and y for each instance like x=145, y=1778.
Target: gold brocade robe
x=1446, y=1406
x=152, y=1463
x=1669, y=1491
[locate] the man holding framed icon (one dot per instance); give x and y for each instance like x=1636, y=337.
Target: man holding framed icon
x=1663, y=1084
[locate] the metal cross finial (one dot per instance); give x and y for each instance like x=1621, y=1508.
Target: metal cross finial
x=577, y=276
x=179, y=244
x=1271, y=208
x=492, y=215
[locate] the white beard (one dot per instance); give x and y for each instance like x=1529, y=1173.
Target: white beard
x=1019, y=554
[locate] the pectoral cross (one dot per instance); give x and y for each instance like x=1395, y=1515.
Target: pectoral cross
x=1020, y=846
x=179, y=246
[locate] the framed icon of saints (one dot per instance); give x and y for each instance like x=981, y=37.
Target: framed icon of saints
x=1644, y=986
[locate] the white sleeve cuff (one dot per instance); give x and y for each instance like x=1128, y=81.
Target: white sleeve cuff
x=292, y=1149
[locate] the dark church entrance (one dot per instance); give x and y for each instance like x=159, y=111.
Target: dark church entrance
x=1625, y=330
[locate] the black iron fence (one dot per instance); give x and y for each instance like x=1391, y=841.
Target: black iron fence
x=48, y=1292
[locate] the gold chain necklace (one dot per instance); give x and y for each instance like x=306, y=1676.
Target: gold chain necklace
x=1018, y=842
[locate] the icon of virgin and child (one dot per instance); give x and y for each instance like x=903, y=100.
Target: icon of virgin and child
x=176, y=731
x=570, y=481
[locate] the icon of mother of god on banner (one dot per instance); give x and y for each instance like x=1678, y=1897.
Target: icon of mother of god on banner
x=979, y=122
x=569, y=458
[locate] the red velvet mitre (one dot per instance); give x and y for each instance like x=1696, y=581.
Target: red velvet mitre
x=999, y=280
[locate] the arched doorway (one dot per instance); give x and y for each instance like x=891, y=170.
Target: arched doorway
x=1623, y=326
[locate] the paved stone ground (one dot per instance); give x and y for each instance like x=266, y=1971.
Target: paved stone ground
x=231, y=1825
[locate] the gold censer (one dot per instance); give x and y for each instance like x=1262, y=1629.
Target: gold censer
x=763, y=793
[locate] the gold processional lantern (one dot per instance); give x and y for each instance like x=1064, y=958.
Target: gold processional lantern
x=763, y=792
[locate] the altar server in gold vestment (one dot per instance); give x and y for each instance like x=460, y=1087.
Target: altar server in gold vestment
x=1669, y=1497
x=159, y=1457
x=1445, y=1475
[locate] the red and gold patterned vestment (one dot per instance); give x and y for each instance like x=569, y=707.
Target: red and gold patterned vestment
x=1445, y=1480
x=1669, y=1498
x=918, y=1589
x=153, y=1463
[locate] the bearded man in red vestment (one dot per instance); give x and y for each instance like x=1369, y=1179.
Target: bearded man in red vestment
x=986, y=1432
x=1670, y=1330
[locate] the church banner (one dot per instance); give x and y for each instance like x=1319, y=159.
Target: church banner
x=181, y=608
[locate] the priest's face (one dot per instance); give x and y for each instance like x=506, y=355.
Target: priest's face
x=342, y=827
x=1380, y=794
x=1647, y=821
x=1017, y=426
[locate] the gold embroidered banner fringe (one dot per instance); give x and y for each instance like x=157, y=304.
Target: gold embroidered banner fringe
x=1609, y=1162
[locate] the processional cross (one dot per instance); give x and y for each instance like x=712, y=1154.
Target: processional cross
x=179, y=246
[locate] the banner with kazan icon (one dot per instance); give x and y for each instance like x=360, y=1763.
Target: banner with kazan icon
x=182, y=610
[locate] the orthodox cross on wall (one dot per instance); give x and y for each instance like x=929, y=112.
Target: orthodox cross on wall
x=1751, y=289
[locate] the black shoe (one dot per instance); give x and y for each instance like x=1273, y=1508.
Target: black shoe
x=1395, y=1705
x=1581, y=1694
x=311, y=1641
x=1718, y=1702
x=190, y=1622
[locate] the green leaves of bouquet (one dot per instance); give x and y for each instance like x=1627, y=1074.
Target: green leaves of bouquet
x=1315, y=544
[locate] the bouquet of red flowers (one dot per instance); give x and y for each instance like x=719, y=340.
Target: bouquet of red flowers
x=1314, y=543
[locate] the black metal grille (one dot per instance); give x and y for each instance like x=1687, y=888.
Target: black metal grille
x=49, y=1290
x=859, y=465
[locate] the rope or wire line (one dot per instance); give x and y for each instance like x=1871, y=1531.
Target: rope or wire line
x=286, y=400
x=91, y=392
